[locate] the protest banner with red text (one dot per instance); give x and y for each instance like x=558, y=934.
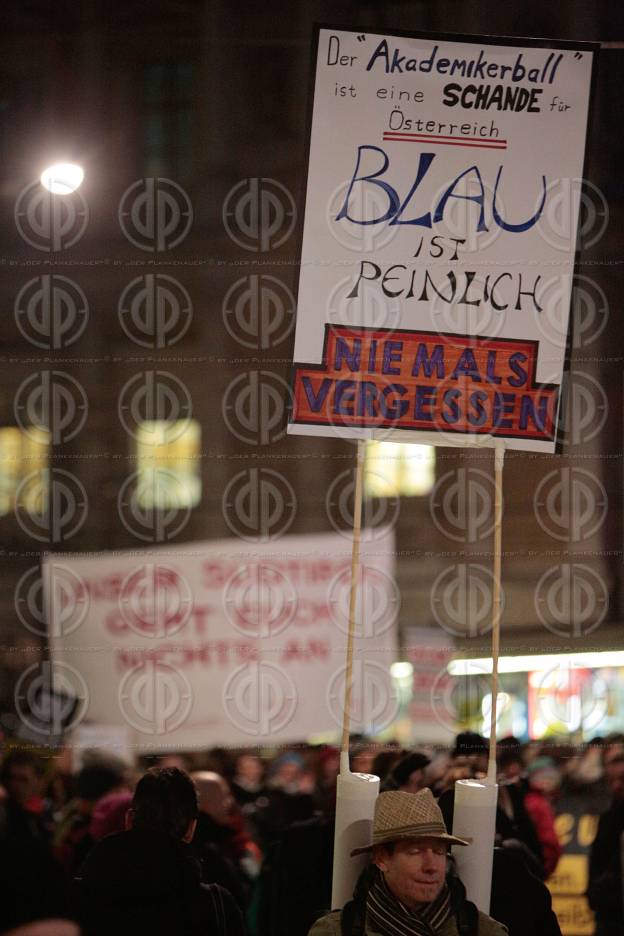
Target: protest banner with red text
x=223, y=642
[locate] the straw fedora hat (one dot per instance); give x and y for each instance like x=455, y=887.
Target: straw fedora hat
x=401, y=815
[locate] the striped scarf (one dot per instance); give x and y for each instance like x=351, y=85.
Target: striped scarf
x=390, y=918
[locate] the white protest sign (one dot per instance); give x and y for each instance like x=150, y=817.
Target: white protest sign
x=439, y=238
x=224, y=642
x=114, y=739
x=430, y=650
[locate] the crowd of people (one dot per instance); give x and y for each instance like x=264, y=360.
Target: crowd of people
x=238, y=842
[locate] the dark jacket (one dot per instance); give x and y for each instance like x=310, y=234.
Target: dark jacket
x=296, y=879
x=520, y=899
x=605, y=873
x=212, y=846
x=33, y=886
x=137, y=883
x=465, y=919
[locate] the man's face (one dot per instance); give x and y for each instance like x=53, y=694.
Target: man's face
x=289, y=772
x=219, y=801
x=415, y=869
x=250, y=768
x=22, y=783
x=615, y=779
x=512, y=770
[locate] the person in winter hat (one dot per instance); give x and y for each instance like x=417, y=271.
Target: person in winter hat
x=408, y=889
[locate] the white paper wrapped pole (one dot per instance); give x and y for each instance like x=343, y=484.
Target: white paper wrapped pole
x=474, y=817
x=355, y=807
x=355, y=793
x=474, y=814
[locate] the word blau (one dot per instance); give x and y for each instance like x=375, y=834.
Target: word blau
x=396, y=208
x=372, y=378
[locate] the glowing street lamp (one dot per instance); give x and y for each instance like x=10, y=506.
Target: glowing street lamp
x=62, y=178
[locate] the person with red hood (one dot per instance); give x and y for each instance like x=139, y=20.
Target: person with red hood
x=543, y=779
x=109, y=814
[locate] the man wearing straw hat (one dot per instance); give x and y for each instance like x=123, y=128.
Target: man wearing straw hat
x=407, y=890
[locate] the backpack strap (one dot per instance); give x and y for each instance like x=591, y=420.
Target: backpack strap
x=353, y=916
x=216, y=896
x=352, y=919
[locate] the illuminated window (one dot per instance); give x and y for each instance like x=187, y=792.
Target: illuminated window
x=168, y=462
x=394, y=468
x=21, y=454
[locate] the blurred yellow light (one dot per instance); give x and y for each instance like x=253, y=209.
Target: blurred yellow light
x=396, y=468
x=401, y=670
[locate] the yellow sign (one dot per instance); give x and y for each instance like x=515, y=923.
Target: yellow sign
x=575, y=917
x=570, y=876
x=568, y=883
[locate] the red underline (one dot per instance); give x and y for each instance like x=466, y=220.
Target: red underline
x=441, y=136
x=448, y=141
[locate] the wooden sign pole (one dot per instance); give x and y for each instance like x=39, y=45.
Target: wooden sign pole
x=353, y=593
x=499, y=458
x=355, y=793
